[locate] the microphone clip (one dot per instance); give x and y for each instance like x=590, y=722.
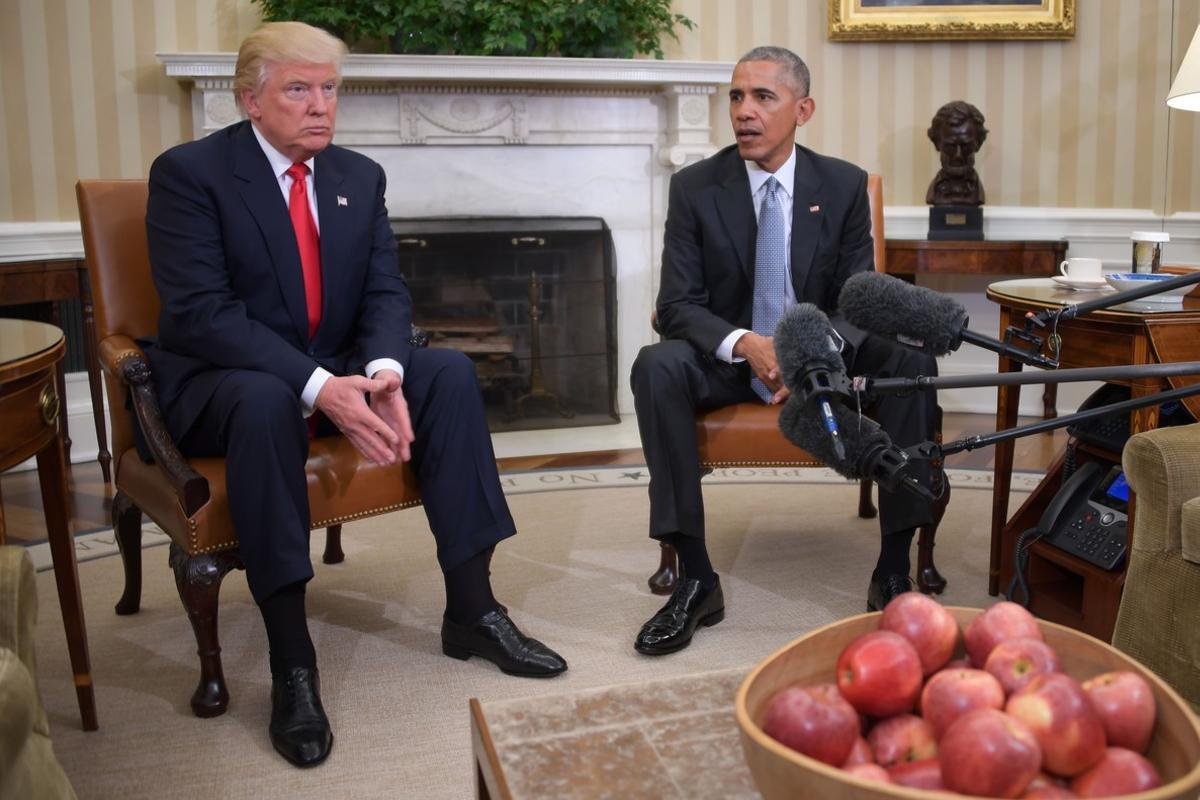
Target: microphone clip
x=1030, y=351
x=818, y=382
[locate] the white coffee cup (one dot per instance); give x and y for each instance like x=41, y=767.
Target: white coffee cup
x=1082, y=269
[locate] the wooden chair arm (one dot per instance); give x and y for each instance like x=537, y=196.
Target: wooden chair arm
x=121, y=357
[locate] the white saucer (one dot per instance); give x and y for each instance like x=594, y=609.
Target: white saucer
x=1079, y=285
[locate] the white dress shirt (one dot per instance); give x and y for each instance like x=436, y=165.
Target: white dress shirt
x=280, y=164
x=786, y=177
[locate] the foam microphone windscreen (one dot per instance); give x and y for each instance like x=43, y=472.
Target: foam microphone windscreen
x=860, y=436
x=890, y=307
x=803, y=341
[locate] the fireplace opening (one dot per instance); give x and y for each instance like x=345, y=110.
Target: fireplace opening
x=531, y=300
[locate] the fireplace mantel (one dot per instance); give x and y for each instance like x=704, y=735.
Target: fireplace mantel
x=683, y=86
x=498, y=136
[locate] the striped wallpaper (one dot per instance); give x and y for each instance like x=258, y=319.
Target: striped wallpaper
x=1080, y=123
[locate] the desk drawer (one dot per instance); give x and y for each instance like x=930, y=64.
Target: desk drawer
x=29, y=412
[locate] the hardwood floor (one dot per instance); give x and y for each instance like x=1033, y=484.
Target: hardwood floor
x=91, y=500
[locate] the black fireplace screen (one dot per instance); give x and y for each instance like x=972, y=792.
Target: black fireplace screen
x=531, y=300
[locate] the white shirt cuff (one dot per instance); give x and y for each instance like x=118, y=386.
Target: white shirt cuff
x=725, y=349
x=308, y=397
x=384, y=363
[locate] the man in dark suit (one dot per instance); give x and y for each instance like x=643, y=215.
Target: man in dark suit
x=282, y=300
x=751, y=231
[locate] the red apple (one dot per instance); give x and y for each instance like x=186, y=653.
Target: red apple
x=904, y=737
x=880, y=674
x=859, y=754
x=1004, y=620
x=926, y=774
x=988, y=753
x=1015, y=662
x=1125, y=704
x=870, y=772
x=1045, y=787
x=950, y=693
x=922, y=620
x=1120, y=771
x=814, y=720
x=1058, y=712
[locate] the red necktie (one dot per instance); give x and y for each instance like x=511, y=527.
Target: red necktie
x=309, y=243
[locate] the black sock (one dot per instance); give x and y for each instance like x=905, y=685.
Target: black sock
x=287, y=629
x=693, y=558
x=893, y=554
x=469, y=589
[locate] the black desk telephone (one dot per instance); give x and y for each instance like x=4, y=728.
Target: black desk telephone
x=1089, y=516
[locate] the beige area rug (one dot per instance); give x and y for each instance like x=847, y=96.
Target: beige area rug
x=791, y=552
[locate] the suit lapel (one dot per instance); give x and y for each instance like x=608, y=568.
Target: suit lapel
x=807, y=215
x=264, y=200
x=736, y=209
x=330, y=205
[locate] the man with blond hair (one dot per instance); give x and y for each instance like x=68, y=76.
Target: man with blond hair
x=284, y=316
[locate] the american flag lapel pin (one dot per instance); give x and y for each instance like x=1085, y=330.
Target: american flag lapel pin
x=814, y=209
x=343, y=201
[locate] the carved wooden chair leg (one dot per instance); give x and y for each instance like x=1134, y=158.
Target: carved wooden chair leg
x=198, y=579
x=127, y=528
x=929, y=580
x=663, y=581
x=333, y=545
x=866, y=508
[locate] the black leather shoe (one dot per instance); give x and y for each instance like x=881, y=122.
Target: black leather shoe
x=672, y=627
x=496, y=637
x=299, y=727
x=884, y=588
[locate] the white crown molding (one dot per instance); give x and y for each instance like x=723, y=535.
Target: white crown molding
x=482, y=69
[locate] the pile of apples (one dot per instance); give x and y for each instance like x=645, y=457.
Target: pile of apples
x=1004, y=721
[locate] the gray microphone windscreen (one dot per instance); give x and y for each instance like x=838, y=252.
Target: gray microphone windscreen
x=888, y=306
x=803, y=341
x=860, y=436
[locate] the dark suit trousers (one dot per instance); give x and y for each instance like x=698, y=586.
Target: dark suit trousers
x=255, y=421
x=671, y=381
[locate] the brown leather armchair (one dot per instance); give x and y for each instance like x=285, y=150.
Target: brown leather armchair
x=747, y=435
x=187, y=497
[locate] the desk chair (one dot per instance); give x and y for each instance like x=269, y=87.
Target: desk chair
x=187, y=497
x=747, y=435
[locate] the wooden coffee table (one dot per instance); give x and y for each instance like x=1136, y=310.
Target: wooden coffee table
x=673, y=738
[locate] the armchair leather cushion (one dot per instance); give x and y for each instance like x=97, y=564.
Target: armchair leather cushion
x=336, y=474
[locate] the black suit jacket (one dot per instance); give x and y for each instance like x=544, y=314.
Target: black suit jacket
x=227, y=269
x=707, y=288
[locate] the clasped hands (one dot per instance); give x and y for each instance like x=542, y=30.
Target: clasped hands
x=381, y=429
x=759, y=351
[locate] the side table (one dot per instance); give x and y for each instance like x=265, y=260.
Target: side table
x=52, y=280
x=673, y=738
x=30, y=354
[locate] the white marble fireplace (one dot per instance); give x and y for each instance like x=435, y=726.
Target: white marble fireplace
x=484, y=136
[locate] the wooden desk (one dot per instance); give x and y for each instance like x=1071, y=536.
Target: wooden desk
x=52, y=280
x=1072, y=591
x=907, y=258
x=30, y=353
x=675, y=738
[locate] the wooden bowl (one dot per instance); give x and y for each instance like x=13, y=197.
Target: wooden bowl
x=780, y=772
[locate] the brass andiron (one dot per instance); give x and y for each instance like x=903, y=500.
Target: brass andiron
x=537, y=383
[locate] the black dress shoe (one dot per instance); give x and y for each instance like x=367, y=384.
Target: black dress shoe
x=496, y=637
x=672, y=627
x=884, y=588
x=299, y=727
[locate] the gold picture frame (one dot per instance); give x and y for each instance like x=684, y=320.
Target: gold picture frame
x=932, y=20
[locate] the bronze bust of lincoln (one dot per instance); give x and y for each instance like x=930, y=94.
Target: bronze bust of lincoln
x=957, y=132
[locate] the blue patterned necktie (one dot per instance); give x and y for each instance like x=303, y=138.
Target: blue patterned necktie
x=770, y=273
